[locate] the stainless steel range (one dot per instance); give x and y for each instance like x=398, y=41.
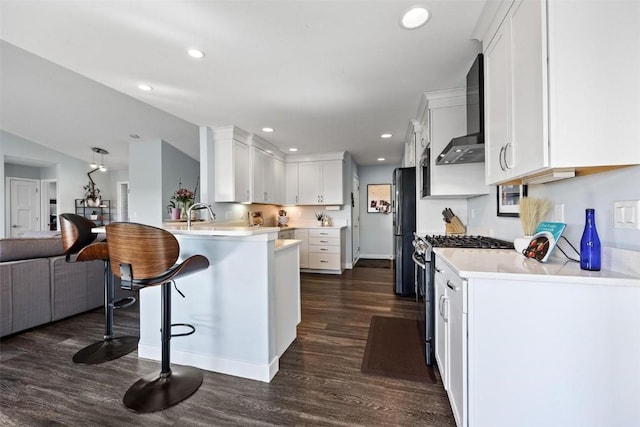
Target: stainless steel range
x=464, y=241
x=424, y=273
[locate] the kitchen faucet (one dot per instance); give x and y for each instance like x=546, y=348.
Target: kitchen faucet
x=212, y=216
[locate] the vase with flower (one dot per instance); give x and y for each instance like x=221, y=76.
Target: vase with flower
x=183, y=198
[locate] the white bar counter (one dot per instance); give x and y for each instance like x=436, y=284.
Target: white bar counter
x=245, y=306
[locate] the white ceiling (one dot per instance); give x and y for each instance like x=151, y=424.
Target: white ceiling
x=328, y=75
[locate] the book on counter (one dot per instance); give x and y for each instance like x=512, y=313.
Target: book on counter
x=544, y=240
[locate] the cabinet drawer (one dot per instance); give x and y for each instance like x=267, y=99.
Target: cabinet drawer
x=320, y=232
x=324, y=249
x=324, y=261
x=324, y=241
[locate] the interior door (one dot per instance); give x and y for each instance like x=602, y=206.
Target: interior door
x=24, y=206
x=355, y=219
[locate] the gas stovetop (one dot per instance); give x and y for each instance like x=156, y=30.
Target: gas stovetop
x=463, y=241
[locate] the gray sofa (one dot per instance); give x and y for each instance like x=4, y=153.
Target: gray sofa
x=38, y=286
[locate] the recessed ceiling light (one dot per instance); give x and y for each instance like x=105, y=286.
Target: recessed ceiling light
x=293, y=149
x=414, y=18
x=196, y=53
x=267, y=130
x=386, y=135
x=381, y=159
x=145, y=87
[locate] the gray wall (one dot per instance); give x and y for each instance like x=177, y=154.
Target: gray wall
x=376, y=238
x=597, y=191
x=70, y=173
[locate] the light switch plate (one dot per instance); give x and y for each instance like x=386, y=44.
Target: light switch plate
x=625, y=214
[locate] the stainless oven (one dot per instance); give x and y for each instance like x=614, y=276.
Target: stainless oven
x=424, y=294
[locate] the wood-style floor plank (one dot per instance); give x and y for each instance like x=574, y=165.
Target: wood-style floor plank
x=319, y=382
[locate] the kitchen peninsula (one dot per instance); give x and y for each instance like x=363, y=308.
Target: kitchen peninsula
x=245, y=307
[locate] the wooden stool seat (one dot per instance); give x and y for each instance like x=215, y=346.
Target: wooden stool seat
x=142, y=255
x=78, y=243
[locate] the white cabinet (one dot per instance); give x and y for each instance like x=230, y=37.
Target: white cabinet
x=521, y=342
x=267, y=174
x=320, y=183
x=303, y=236
x=316, y=179
x=325, y=251
x=446, y=120
x=232, y=165
x=515, y=113
x=451, y=338
x=291, y=184
x=442, y=330
x=279, y=177
x=548, y=104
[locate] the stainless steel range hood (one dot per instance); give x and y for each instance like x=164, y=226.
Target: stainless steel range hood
x=463, y=149
x=469, y=148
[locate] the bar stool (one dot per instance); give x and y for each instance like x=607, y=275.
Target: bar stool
x=78, y=243
x=142, y=255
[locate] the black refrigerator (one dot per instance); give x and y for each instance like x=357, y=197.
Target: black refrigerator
x=404, y=224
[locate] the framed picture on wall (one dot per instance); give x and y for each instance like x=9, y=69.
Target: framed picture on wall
x=379, y=198
x=508, y=199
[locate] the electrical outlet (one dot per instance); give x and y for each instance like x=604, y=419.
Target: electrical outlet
x=626, y=213
x=559, y=212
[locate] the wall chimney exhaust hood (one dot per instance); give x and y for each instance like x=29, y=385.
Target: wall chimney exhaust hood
x=469, y=148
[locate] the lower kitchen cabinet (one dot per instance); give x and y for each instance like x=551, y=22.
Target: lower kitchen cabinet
x=554, y=349
x=321, y=250
x=451, y=338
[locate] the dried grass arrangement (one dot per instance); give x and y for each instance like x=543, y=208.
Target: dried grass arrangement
x=532, y=210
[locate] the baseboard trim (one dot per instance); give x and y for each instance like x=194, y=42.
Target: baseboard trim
x=376, y=256
x=264, y=373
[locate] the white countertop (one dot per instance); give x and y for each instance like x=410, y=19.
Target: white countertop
x=294, y=227
x=282, y=244
x=509, y=264
x=213, y=229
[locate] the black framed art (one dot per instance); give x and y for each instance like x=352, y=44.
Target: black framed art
x=508, y=199
x=378, y=198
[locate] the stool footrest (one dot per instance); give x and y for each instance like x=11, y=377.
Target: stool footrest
x=124, y=302
x=186, y=325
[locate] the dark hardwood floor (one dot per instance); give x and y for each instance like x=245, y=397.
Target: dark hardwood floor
x=319, y=382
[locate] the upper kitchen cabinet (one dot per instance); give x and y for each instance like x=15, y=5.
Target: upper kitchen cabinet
x=320, y=179
x=291, y=184
x=444, y=116
x=232, y=165
x=561, y=89
x=266, y=171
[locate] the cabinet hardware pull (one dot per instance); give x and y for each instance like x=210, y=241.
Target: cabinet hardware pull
x=451, y=286
x=440, y=306
x=506, y=163
x=324, y=241
x=438, y=270
x=502, y=150
x=326, y=262
x=324, y=249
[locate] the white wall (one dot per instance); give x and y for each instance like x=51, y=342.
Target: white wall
x=597, y=191
x=376, y=229
x=71, y=173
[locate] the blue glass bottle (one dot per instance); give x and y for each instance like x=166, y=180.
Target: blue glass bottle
x=590, y=251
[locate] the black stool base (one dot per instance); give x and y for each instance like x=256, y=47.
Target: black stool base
x=104, y=351
x=153, y=393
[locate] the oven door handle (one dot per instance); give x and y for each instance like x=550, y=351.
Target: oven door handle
x=418, y=262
